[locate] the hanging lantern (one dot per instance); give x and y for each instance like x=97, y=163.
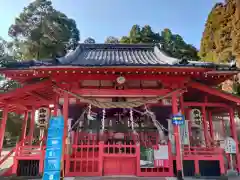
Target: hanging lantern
x=196, y=116
x=43, y=116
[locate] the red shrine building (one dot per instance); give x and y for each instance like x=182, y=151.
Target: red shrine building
x=118, y=102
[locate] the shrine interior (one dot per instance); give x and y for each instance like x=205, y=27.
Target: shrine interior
x=117, y=121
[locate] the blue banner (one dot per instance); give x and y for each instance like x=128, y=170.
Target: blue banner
x=51, y=175
x=53, y=155
x=178, y=119
x=55, y=132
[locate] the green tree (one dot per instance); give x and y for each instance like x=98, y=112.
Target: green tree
x=175, y=46
x=42, y=32
x=4, y=52
x=125, y=40
x=147, y=35
x=111, y=40
x=135, y=34
x=172, y=44
x=89, y=40
x=5, y=57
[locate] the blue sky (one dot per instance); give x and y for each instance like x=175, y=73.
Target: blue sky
x=102, y=18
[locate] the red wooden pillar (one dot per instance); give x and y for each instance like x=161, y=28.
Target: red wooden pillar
x=205, y=127
x=24, y=126
x=177, y=136
x=65, y=116
x=234, y=135
x=32, y=126
x=100, y=157
x=3, y=126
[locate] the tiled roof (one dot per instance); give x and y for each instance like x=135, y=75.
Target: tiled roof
x=115, y=55
x=109, y=54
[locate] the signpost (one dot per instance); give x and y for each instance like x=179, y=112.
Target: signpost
x=52, y=163
x=178, y=119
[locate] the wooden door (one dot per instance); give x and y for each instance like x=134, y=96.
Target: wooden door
x=119, y=166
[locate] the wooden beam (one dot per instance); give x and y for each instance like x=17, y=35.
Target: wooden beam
x=43, y=99
x=213, y=91
x=201, y=104
x=24, y=89
x=120, y=93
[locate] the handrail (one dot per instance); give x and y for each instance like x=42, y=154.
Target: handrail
x=202, y=151
x=7, y=156
x=11, y=152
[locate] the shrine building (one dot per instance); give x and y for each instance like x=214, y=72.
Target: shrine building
x=128, y=110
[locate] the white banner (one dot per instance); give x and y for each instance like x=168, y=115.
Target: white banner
x=230, y=145
x=184, y=134
x=161, y=153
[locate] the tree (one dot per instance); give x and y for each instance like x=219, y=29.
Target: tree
x=221, y=37
x=111, y=40
x=172, y=44
x=147, y=35
x=135, y=34
x=89, y=40
x=175, y=46
x=4, y=52
x=125, y=40
x=42, y=32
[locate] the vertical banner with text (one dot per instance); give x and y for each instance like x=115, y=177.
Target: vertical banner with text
x=53, y=155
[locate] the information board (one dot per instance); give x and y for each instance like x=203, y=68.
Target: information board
x=230, y=145
x=178, y=119
x=53, y=155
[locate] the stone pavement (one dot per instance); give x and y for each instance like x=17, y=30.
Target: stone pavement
x=137, y=178
x=122, y=178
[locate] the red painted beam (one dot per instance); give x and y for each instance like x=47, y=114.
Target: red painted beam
x=113, y=77
x=201, y=104
x=43, y=99
x=24, y=89
x=214, y=92
x=120, y=93
x=98, y=76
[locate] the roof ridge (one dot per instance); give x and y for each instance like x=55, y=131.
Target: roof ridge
x=117, y=46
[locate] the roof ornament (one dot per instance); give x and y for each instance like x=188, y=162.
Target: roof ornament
x=121, y=80
x=183, y=61
x=233, y=63
x=160, y=45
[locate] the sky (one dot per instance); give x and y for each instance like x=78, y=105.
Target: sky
x=101, y=18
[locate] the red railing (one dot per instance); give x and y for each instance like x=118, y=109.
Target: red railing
x=93, y=155
x=27, y=151
x=11, y=152
x=202, y=151
x=118, y=149
x=84, y=160
x=146, y=139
